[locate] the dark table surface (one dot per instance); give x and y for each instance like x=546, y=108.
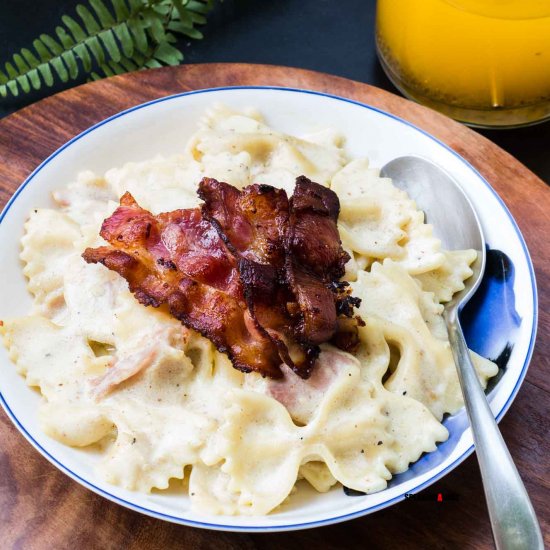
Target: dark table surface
x=323, y=35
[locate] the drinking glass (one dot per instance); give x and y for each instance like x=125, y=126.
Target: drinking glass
x=483, y=62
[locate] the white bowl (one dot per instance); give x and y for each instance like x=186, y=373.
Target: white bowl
x=501, y=318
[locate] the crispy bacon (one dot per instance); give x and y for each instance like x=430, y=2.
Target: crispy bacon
x=177, y=258
x=256, y=273
x=290, y=254
x=315, y=258
x=254, y=223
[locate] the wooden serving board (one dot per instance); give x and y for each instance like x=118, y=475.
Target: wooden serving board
x=42, y=508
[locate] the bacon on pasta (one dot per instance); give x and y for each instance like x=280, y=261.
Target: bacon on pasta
x=256, y=273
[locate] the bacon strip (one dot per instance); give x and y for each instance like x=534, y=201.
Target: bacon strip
x=178, y=259
x=253, y=223
x=315, y=258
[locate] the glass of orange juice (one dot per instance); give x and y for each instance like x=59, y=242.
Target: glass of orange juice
x=483, y=62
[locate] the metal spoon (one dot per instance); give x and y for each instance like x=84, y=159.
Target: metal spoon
x=455, y=222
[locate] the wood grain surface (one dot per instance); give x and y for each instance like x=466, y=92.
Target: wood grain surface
x=42, y=508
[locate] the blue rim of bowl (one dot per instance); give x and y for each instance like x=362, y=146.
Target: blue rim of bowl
x=311, y=524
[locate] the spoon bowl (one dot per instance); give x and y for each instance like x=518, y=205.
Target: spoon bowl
x=456, y=224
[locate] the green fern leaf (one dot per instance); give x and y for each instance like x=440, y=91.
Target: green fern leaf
x=76, y=30
x=128, y=64
x=41, y=50
x=154, y=25
x=177, y=26
x=103, y=14
x=84, y=55
x=46, y=74
x=30, y=58
x=12, y=87
x=51, y=44
x=70, y=62
x=140, y=37
x=95, y=47
x=168, y=54
x=60, y=69
x=115, y=36
x=23, y=81
x=197, y=18
x=121, y=10
x=107, y=70
x=66, y=41
x=117, y=68
x=123, y=34
x=200, y=7
x=109, y=41
x=136, y=5
x=34, y=78
x=21, y=64
x=153, y=64
x=184, y=15
x=88, y=19
x=12, y=73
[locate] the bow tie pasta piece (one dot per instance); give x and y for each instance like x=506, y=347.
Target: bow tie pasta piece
x=224, y=119
x=413, y=428
x=221, y=117
x=58, y=362
x=77, y=425
x=228, y=167
x=398, y=429
x=411, y=320
x=381, y=221
x=327, y=137
x=372, y=211
x=159, y=184
x=268, y=156
x=162, y=417
x=449, y=278
x=85, y=198
x=346, y=431
x=302, y=397
x=153, y=444
x=47, y=244
x=273, y=158
x=259, y=448
x=160, y=411
x=91, y=293
x=136, y=326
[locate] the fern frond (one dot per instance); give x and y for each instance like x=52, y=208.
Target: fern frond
x=115, y=36
x=159, y=56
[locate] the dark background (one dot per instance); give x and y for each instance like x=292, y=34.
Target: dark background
x=332, y=36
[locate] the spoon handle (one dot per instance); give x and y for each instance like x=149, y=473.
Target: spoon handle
x=513, y=519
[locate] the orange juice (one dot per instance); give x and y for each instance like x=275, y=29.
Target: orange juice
x=486, y=62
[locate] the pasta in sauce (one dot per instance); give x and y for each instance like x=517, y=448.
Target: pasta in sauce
x=171, y=400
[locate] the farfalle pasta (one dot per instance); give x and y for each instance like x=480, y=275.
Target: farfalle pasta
x=161, y=403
